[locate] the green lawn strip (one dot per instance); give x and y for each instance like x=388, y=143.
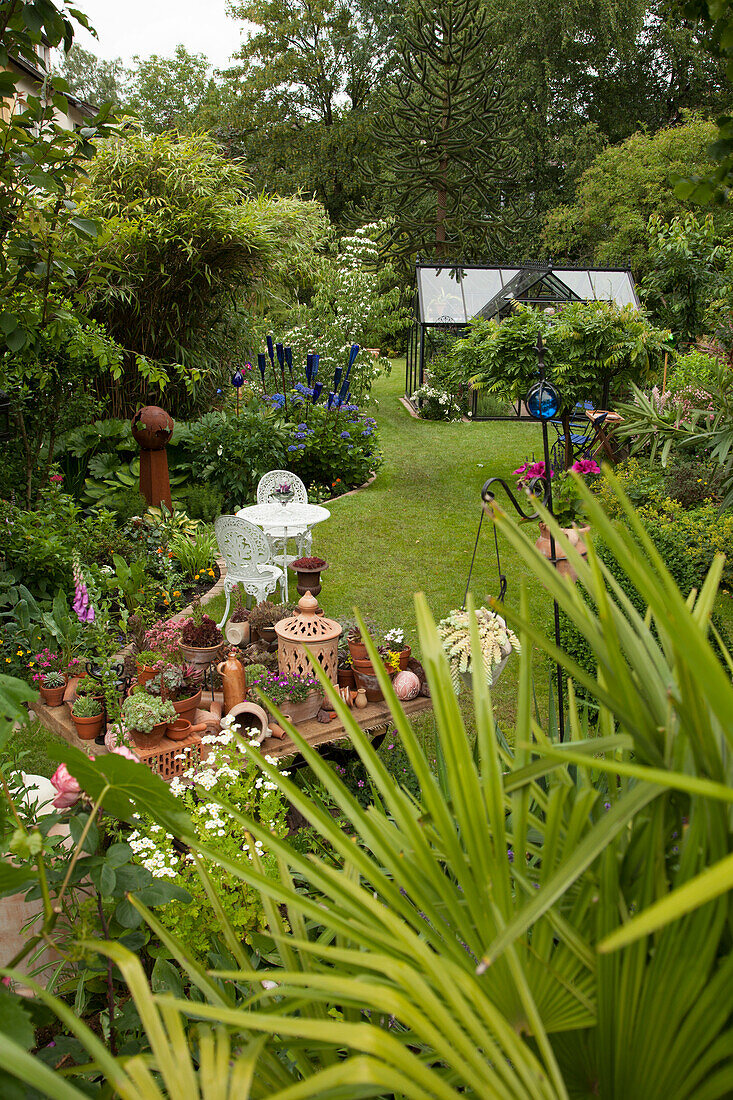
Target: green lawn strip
x=414, y=528
x=31, y=749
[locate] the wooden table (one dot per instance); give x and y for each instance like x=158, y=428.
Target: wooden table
x=375, y=719
x=602, y=419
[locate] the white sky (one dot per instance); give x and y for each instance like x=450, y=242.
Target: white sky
x=129, y=27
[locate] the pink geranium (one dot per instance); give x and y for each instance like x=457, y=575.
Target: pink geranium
x=586, y=466
x=69, y=791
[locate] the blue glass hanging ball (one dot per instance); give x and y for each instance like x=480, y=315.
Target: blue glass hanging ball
x=237, y=379
x=543, y=401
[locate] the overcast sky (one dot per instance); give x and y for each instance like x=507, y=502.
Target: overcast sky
x=129, y=27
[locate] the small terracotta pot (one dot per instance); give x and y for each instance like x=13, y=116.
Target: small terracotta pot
x=405, y=657
x=149, y=740
x=268, y=634
x=186, y=708
x=305, y=710
x=358, y=651
x=52, y=697
x=145, y=673
x=346, y=678
x=366, y=678
x=181, y=729
x=88, y=728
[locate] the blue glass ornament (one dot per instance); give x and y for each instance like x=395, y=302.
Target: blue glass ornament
x=317, y=391
x=280, y=354
x=271, y=350
x=262, y=363
x=337, y=377
x=237, y=379
x=330, y=399
x=289, y=359
x=344, y=391
x=316, y=361
x=352, y=355
x=308, y=367
x=543, y=401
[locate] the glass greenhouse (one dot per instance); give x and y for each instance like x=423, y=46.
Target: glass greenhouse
x=447, y=298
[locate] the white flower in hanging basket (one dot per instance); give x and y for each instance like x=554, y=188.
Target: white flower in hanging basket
x=496, y=639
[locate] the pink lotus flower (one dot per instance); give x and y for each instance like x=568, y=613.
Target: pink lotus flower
x=68, y=788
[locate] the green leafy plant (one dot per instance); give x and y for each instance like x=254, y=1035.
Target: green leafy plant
x=86, y=706
x=456, y=634
x=52, y=679
x=196, y=552
x=267, y=613
x=142, y=711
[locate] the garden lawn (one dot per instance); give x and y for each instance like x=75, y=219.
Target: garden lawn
x=413, y=529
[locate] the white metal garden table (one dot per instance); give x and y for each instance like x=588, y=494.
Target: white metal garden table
x=281, y=521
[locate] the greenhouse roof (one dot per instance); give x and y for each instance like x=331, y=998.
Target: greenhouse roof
x=454, y=295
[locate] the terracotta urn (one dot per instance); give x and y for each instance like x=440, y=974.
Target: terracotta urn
x=309, y=580
x=574, y=536
x=202, y=656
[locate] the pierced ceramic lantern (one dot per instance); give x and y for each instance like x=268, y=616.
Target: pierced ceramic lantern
x=304, y=633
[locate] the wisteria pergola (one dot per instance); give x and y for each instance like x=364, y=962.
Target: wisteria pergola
x=447, y=298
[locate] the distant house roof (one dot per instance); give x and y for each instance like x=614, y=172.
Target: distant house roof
x=454, y=295
x=84, y=108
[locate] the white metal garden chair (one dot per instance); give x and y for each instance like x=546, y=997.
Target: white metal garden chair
x=265, y=490
x=248, y=557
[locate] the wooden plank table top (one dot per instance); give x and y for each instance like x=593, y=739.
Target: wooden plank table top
x=375, y=719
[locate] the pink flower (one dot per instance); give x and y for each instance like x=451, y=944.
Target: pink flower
x=56, y=478
x=586, y=466
x=68, y=788
x=520, y=470
x=122, y=750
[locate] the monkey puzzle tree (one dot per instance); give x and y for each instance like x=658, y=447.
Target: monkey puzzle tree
x=448, y=161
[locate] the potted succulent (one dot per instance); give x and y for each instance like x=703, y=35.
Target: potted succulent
x=201, y=639
x=344, y=671
x=147, y=718
x=88, y=716
x=181, y=684
x=146, y=664
x=309, y=572
x=354, y=640
x=298, y=697
x=263, y=617
x=52, y=686
x=394, y=640
x=496, y=639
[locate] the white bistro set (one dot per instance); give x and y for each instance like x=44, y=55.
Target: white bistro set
x=254, y=542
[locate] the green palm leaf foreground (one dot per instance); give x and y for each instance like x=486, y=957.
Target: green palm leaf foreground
x=546, y=922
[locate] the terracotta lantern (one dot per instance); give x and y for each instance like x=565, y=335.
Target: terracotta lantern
x=307, y=632
x=152, y=428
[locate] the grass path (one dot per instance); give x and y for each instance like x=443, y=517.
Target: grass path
x=414, y=528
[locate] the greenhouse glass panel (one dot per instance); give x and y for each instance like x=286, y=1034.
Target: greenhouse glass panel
x=480, y=285
x=441, y=296
x=577, y=281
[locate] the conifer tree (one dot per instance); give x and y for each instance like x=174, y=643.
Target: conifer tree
x=447, y=160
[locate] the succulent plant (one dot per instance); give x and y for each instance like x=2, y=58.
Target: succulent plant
x=179, y=681
x=268, y=613
x=203, y=633
x=86, y=706
x=254, y=671
x=142, y=711
x=53, y=680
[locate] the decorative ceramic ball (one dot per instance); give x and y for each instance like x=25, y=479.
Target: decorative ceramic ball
x=406, y=686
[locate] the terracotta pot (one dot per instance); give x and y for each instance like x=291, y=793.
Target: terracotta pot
x=88, y=728
x=366, y=679
x=202, y=656
x=346, y=678
x=149, y=740
x=268, y=634
x=405, y=657
x=574, y=536
x=361, y=700
x=309, y=580
x=52, y=697
x=145, y=673
x=357, y=650
x=302, y=712
x=186, y=708
x=181, y=729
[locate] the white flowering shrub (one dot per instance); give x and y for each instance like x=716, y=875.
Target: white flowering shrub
x=237, y=781
x=355, y=301
x=436, y=404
